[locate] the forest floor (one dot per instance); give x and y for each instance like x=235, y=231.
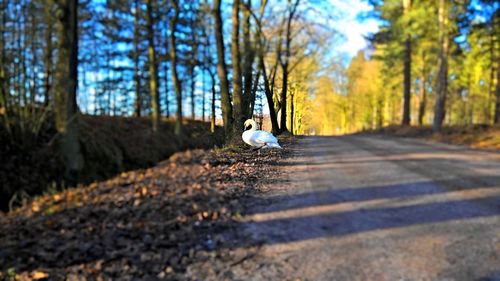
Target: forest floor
x=362, y=207
x=144, y=224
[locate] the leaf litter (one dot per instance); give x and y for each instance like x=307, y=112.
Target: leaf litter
x=143, y=224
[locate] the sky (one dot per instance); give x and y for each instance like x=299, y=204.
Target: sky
x=351, y=25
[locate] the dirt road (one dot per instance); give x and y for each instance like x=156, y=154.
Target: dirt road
x=377, y=208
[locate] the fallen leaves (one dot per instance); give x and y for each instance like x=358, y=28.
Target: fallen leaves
x=144, y=224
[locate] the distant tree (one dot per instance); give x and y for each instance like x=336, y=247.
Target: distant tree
x=236, y=60
x=442, y=76
x=173, y=59
x=407, y=70
x=136, y=54
x=153, y=68
x=227, y=110
x=65, y=84
x=3, y=59
x=285, y=60
x=248, y=60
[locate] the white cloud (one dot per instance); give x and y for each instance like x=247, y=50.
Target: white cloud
x=351, y=27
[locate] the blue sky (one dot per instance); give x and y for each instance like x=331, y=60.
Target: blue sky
x=350, y=24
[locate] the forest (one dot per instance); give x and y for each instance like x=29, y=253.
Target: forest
x=433, y=63
x=85, y=82
x=123, y=153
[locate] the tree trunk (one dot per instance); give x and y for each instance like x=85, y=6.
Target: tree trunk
x=137, y=79
x=212, y=118
x=227, y=110
x=253, y=94
x=407, y=73
x=423, y=94
x=48, y=58
x=153, y=69
x=34, y=60
x=284, y=65
x=203, y=82
x=291, y=112
x=175, y=77
x=442, y=79
x=236, y=60
x=249, y=55
x=3, y=62
x=65, y=84
x=497, y=94
x=192, y=87
x=269, y=96
x=167, y=100
x=423, y=101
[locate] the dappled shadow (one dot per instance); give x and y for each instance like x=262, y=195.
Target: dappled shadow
x=446, y=184
x=362, y=220
x=354, y=194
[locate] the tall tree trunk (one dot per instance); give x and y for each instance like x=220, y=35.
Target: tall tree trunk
x=34, y=60
x=167, y=99
x=497, y=94
x=249, y=55
x=153, y=68
x=423, y=101
x=491, y=89
x=407, y=72
x=236, y=60
x=269, y=96
x=423, y=94
x=284, y=64
x=137, y=78
x=227, y=110
x=203, y=86
x=3, y=73
x=173, y=60
x=253, y=94
x=292, y=109
x=65, y=84
x=192, y=88
x=48, y=58
x=212, y=117
x=442, y=79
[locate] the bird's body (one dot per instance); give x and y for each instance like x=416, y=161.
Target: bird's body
x=257, y=138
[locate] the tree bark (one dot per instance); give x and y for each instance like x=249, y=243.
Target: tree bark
x=212, y=117
x=203, y=82
x=153, y=68
x=497, y=94
x=227, y=110
x=192, y=81
x=407, y=73
x=423, y=94
x=65, y=84
x=253, y=94
x=423, y=101
x=269, y=96
x=137, y=79
x=249, y=56
x=442, y=79
x=48, y=58
x=3, y=73
x=173, y=61
x=284, y=65
x=236, y=60
x=292, y=105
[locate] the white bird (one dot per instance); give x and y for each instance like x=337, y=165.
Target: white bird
x=257, y=138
